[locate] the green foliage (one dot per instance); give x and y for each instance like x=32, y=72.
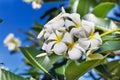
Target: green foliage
x=102, y=9
x=74, y=71
x=1, y=20
x=110, y=70
x=84, y=5
x=7, y=75
x=42, y=63
x=110, y=46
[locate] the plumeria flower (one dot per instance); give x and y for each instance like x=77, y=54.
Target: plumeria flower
x=74, y=49
x=36, y=4
x=56, y=43
x=56, y=23
x=91, y=41
x=11, y=42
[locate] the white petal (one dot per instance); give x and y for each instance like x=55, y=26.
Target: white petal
x=60, y=48
x=52, y=36
x=44, y=46
x=67, y=38
x=8, y=38
x=91, y=50
x=89, y=27
x=41, y=54
x=97, y=41
x=57, y=25
x=11, y=46
x=74, y=54
x=41, y=34
x=113, y=25
x=78, y=32
x=84, y=43
x=69, y=23
x=75, y=17
x=36, y=5
x=46, y=35
x=49, y=46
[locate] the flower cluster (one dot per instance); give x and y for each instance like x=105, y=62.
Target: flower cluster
x=68, y=35
x=11, y=42
x=36, y=4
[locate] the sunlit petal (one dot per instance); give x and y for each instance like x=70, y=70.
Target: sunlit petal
x=11, y=46
x=74, y=54
x=67, y=38
x=41, y=34
x=60, y=48
x=49, y=46
x=88, y=26
x=78, y=32
x=84, y=43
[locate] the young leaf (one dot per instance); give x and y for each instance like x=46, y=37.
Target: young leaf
x=102, y=9
x=7, y=75
x=74, y=71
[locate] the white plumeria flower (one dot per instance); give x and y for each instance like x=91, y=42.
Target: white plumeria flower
x=55, y=43
x=56, y=23
x=90, y=42
x=36, y=4
x=75, y=51
x=11, y=42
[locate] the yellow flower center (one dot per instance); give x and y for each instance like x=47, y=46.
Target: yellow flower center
x=78, y=25
x=92, y=36
x=58, y=38
x=70, y=46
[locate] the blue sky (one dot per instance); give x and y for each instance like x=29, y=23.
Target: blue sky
x=17, y=15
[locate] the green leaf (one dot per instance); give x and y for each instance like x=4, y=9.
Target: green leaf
x=54, y=58
x=7, y=75
x=83, y=6
x=102, y=9
x=103, y=71
x=1, y=20
x=42, y=63
x=95, y=56
x=110, y=38
x=110, y=70
x=110, y=46
x=114, y=67
x=61, y=70
x=74, y=71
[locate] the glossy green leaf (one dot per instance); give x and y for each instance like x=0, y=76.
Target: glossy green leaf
x=102, y=9
x=7, y=75
x=110, y=46
x=42, y=63
x=110, y=38
x=84, y=5
x=74, y=71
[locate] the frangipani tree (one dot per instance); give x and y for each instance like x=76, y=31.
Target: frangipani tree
x=73, y=42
